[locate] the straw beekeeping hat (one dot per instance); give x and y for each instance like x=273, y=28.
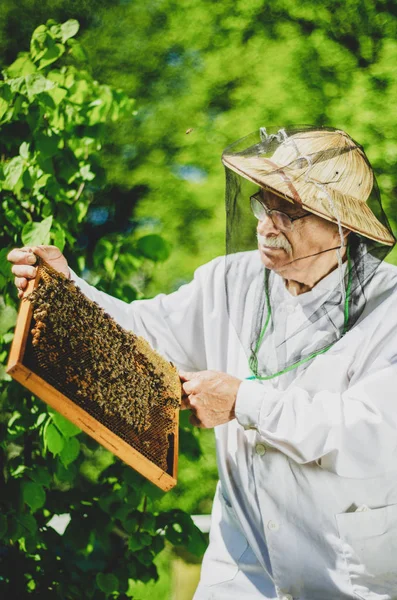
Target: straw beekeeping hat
x=324, y=171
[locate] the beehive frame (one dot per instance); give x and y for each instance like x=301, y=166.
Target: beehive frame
x=76, y=414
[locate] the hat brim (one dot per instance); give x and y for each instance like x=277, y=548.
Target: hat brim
x=353, y=214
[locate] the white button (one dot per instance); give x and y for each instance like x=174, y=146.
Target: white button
x=260, y=449
x=290, y=308
x=273, y=526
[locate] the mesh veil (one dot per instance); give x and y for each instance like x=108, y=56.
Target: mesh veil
x=324, y=172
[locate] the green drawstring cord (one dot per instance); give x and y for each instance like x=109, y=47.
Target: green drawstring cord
x=253, y=361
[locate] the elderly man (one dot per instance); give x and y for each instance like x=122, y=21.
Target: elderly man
x=289, y=353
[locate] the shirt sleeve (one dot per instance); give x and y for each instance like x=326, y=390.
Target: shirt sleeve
x=172, y=324
x=353, y=434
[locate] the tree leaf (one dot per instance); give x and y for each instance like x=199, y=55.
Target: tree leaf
x=34, y=234
x=21, y=66
x=54, y=440
x=153, y=246
x=134, y=543
x=107, y=582
x=70, y=451
x=13, y=172
x=24, y=150
x=37, y=84
x=52, y=54
x=67, y=428
x=41, y=475
x=3, y=107
x=69, y=29
x=57, y=94
x=5, y=266
x=8, y=316
x=33, y=495
x=59, y=237
x=28, y=522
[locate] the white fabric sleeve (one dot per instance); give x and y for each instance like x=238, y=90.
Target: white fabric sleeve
x=172, y=324
x=353, y=434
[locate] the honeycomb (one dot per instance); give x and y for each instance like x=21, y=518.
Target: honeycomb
x=108, y=371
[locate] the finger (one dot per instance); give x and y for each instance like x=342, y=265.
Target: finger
x=186, y=375
x=46, y=251
x=20, y=283
x=189, y=387
x=24, y=271
x=22, y=256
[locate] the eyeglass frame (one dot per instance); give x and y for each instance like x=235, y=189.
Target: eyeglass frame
x=270, y=211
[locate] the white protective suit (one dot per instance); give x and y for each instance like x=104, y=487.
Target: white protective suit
x=306, y=506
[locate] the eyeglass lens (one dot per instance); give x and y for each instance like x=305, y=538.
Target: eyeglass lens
x=280, y=219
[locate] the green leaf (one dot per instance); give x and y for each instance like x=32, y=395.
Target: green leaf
x=24, y=150
x=3, y=107
x=130, y=524
x=41, y=475
x=66, y=474
x=8, y=316
x=145, y=538
x=54, y=440
x=33, y=495
x=77, y=51
x=13, y=172
x=51, y=55
x=70, y=451
x=134, y=543
x=107, y=582
x=37, y=84
x=59, y=237
x=69, y=29
x=57, y=94
x=67, y=428
x=153, y=246
x=148, y=522
x=28, y=522
x=3, y=374
x=34, y=234
x=21, y=66
x=47, y=145
x=5, y=266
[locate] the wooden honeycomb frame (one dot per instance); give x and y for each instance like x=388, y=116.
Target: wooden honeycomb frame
x=77, y=415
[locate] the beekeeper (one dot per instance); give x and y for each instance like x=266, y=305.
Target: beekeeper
x=287, y=346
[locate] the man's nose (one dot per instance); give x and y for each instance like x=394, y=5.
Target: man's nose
x=266, y=226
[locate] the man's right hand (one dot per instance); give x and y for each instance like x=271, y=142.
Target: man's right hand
x=24, y=259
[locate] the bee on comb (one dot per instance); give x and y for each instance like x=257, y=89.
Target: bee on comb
x=105, y=379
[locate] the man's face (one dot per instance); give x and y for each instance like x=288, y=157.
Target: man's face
x=279, y=250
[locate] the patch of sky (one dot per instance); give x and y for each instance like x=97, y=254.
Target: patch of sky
x=145, y=223
x=174, y=59
x=190, y=173
x=98, y=215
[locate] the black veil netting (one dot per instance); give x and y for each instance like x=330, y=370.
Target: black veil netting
x=324, y=172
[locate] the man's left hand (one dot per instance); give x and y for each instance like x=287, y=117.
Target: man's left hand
x=211, y=396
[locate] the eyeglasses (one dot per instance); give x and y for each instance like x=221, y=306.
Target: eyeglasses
x=281, y=220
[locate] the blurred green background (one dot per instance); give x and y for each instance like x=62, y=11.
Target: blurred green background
x=204, y=74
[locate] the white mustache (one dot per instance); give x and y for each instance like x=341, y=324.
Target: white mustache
x=274, y=242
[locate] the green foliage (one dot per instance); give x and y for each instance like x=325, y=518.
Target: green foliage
x=54, y=118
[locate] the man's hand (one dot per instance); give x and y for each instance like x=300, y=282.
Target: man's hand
x=23, y=260
x=211, y=396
